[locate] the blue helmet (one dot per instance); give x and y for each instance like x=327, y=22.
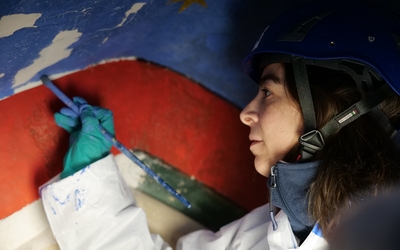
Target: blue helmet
x=325, y=31
x=352, y=37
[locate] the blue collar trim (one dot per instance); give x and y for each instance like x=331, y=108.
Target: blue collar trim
x=291, y=192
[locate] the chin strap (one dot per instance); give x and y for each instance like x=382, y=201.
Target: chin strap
x=304, y=92
x=313, y=140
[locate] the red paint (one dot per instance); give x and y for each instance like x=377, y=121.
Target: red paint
x=155, y=110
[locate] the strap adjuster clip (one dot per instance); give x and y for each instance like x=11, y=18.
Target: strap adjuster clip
x=311, y=142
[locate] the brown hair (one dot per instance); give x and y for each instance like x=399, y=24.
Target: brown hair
x=360, y=160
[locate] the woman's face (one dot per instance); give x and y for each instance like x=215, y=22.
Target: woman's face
x=274, y=119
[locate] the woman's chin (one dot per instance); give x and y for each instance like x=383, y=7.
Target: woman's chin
x=263, y=168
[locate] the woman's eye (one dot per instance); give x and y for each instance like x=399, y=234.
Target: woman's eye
x=266, y=93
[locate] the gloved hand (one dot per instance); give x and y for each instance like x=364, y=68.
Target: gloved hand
x=87, y=143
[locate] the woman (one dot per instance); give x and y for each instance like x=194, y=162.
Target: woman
x=335, y=75
x=321, y=126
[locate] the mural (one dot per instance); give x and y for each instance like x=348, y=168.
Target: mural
x=188, y=127
x=205, y=41
x=201, y=41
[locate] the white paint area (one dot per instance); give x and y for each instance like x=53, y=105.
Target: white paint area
x=55, y=52
x=38, y=83
x=131, y=172
x=59, y=75
x=11, y=23
x=28, y=226
x=133, y=10
x=1, y=75
x=127, y=58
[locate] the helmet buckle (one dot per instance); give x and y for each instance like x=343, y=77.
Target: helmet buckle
x=311, y=142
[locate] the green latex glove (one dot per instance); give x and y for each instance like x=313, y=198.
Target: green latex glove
x=87, y=143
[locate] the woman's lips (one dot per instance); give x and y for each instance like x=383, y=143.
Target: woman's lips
x=254, y=143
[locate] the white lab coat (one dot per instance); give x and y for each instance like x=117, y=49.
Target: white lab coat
x=95, y=209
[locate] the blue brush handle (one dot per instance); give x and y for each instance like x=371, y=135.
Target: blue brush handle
x=49, y=84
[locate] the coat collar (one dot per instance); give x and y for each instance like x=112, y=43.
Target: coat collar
x=291, y=192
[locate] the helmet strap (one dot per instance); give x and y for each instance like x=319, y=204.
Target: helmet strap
x=370, y=102
x=309, y=146
x=312, y=140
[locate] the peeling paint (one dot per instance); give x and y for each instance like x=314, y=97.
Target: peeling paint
x=153, y=32
x=133, y=10
x=37, y=83
x=55, y=52
x=27, y=86
x=11, y=23
x=129, y=58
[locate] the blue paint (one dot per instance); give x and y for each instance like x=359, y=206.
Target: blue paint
x=206, y=44
x=56, y=199
x=54, y=211
x=82, y=172
x=78, y=199
x=117, y=144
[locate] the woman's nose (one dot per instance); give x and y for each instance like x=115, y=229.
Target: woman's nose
x=249, y=114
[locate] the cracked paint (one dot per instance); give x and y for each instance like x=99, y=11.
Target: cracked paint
x=12, y=23
x=55, y=52
x=133, y=10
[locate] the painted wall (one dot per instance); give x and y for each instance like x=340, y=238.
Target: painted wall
x=170, y=70
x=201, y=43
x=156, y=111
x=205, y=41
